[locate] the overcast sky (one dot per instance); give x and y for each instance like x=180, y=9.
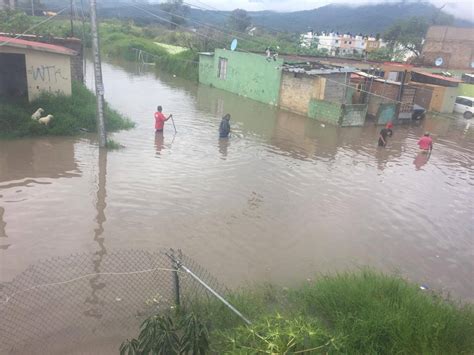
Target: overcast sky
x=461, y=8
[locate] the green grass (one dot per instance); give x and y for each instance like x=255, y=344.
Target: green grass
x=350, y=313
x=113, y=145
x=71, y=113
x=117, y=42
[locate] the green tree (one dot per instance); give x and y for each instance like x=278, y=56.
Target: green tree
x=177, y=11
x=239, y=20
x=408, y=34
x=14, y=21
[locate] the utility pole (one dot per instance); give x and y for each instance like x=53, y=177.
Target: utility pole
x=70, y=16
x=32, y=7
x=99, y=85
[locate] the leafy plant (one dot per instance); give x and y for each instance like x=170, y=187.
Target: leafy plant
x=279, y=335
x=169, y=335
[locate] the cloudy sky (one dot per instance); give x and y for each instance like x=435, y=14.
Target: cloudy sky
x=460, y=8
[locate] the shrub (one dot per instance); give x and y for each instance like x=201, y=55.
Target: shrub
x=277, y=335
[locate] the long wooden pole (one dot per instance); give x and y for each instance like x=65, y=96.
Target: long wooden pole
x=99, y=85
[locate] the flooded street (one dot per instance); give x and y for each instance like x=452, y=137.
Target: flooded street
x=283, y=199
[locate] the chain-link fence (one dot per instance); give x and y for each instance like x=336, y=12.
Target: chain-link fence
x=90, y=303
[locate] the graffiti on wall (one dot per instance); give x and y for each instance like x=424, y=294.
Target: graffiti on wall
x=47, y=74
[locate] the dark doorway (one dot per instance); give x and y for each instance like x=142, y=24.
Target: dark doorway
x=13, y=81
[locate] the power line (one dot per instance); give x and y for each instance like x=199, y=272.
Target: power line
x=219, y=12
x=212, y=27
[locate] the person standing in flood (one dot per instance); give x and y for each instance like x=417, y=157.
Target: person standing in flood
x=384, y=134
x=426, y=143
x=224, y=128
x=160, y=119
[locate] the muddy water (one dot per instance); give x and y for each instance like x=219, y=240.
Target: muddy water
x=282, y=199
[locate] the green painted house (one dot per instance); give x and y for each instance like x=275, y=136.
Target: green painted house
x=246, y=74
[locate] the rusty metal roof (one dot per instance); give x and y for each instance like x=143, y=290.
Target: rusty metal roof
x=38, y=46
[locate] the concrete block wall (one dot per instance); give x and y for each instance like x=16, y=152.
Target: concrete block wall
x=297, y=90
x=335, y=88
x=77, y=68
x=325, y=111
x=384, y=93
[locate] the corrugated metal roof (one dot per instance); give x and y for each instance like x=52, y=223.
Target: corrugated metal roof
x=321, y=71
x=436, y=76
x=38, y=46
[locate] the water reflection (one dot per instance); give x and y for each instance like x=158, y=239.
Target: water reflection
x=95, y=282
x=421, y=159
x=30, y=159
x=159, y=142
x=223, y=145
x=3, y=233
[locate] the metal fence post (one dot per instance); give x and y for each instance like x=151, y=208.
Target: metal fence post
x=176, y=266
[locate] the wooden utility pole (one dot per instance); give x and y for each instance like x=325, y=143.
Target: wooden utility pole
x=99, y=85
x=32, y=7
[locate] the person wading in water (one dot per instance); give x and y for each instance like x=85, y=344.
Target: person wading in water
x=384, y=134
x=426, y=143
x=160, y=119
x=224, y=128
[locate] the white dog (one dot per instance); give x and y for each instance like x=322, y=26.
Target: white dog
x=37, y=114
x=45, y=120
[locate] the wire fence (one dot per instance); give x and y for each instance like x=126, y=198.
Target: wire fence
x=90, y=303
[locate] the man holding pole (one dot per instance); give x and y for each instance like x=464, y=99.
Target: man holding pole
x=160, y=119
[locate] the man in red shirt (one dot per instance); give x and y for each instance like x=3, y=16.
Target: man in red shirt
x=160, y=119
x=426, y=143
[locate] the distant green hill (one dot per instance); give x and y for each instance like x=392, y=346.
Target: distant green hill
x=366, y=19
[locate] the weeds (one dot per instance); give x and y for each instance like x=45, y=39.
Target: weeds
x=382, y=314
x=113, y=145
x=71, y=113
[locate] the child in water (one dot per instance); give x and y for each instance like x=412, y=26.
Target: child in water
x=224, y=128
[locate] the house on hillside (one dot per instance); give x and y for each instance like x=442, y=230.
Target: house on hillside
x=449, y=47
x=29, y=68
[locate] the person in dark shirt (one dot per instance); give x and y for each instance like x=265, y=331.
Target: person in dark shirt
x=385, y=133
x=224, y=128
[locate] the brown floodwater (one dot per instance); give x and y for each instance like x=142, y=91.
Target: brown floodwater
x=283, y=199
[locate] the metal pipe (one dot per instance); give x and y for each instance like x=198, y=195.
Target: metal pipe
x=222, y=299
x=216, y=294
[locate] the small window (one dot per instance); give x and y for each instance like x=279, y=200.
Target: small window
x=459, y=100
x=345, y=42
x=337, y=41
x=222, y=70
x=350, y=42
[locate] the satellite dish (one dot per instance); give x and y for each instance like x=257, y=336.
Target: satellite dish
x=439, y=62
x=233, y=45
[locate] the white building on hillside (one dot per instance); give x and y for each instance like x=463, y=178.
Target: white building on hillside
x=329, y=41
x=307, y=39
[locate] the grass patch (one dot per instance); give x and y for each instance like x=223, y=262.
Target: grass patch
x=71, y=113
x=119, y=42
x=350, y=313
x=380, y=314
x=113, y=145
